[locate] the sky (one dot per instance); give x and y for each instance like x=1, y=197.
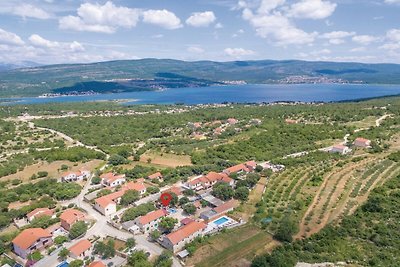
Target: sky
x=75, y=31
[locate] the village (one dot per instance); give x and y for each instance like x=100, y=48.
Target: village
x=130, y=213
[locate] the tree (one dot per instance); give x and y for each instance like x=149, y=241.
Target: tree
x=152, y=189
x=168, y=223
x=174, y=200
x=155, y=234
x=189, y=208
x=117, y=160
x=189, y=192
x=103, y=192
x=222, y=191
x=138, y=259
x=183, y=201
x=259, y=168
x=164, y=260
x=96, y=180
x=130, y=242
x=242, y=193
x=252, y=179
x=105, y=250
x=63, y=254
x=78, y=229
x=76, y=263
x=130, y=197
x=287, y=228
x=59, y=240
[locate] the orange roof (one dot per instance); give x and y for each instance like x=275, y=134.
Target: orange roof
x=155, y=175
x=138, y=186
x=226, y=206
x=72, y=216
x=78, y=173
x=79, y=247
x=96, y=264
x=237, y=168
x=111, y=177
x=360, y=139
x=195, y=181
x=104, y=201
x=40, y=212
x=203, y=179
x=28, y=237
x=251, y=163
x=340, y=147
x=185, y=231
x=226, y=179
x=176, y=190
x=213, y=176
x=152, y=216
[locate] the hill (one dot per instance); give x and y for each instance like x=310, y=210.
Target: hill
x=152, y=74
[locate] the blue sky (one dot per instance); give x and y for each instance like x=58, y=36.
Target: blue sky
x=69, y=31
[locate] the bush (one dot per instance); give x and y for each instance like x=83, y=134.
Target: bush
x=78, y=229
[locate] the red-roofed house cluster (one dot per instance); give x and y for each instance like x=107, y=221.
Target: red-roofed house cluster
x=75, y=176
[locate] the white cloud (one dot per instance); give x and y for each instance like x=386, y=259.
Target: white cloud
x=267, y=6
x=364, y=39
x=30, y=11
x=238, y=52
x=201, y=19
x=38, y=41
x=358, y=49
x=101, y=18
x=162, y=18
x=195, y=50
x=10, y=38
x=392, y=1
x=337, y=37
x=312, y=9
x=218, y=26
x=393, y=35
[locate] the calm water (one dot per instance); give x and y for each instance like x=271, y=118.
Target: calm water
x=238, y=94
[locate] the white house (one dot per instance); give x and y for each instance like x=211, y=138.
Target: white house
x=149, y=222
x=340, y=149
x=112, y=180
x=105, y=206
x=75, y=176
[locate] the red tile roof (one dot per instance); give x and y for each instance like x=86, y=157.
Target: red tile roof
x=71, y=216
x=185, y=231
x=360, y=139
x=187, y=220
x=155, y=176
x=111, y=177
x=40, y=212
x=237, y=168
x=226, y=206
x=152, y=216
x=80, y=247
x=138, y=186
x=96, y=264
x=28, y=237
x=251, y=163
x=176, y=190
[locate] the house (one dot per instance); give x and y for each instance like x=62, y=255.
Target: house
x=251, y=165
x=80, y=249
x=207, y=181
x=186, y=221
x=175, y=241
x=232, y=121
x=219, y=210
x=239, y=169
x=195, y=184
x=273, y=167
x=156, y=176
x=112, y=180
x=362, y=142
x=75, y=176
x=149, y=222
x=97, y=264
x=340, y=149
x=39, y=212
x=176, y=190
x=290, y=121
x=30, y=240
x=138, y=186
x=70, y=216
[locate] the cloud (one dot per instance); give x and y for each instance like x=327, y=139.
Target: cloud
x=337, y=37
x=162, y=18
x=238, y=52
x=312, y=9
x=30, y=11
x=218, y=26
x=38, y=41
x=201, y=19
x=10, y=38
x=392, y=40
x=195, y=50
x=392, y=1
x=100, y=18
x=364, y=39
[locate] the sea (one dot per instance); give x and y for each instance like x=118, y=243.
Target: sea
x=248, y=93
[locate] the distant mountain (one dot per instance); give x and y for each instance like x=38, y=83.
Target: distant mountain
x=17, y=65
x=152, y=74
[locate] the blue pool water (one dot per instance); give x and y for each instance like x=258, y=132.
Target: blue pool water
x=172, y=210
x=221, y=221
x=250, y=93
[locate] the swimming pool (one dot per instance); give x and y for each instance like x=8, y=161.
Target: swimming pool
x=172, y=210
x=221, y=220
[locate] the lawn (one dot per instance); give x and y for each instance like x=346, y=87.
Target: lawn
x=165, y=159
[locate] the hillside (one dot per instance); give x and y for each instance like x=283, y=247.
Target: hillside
x=151, y=74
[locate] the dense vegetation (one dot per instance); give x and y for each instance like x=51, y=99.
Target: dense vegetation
x=370, y=237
